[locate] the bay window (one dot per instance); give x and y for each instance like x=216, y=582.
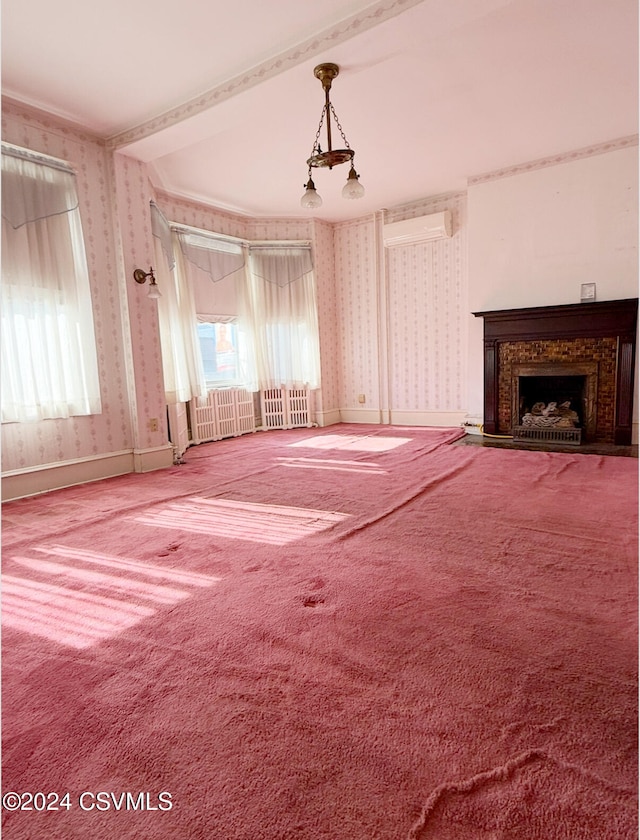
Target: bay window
x=248, y=309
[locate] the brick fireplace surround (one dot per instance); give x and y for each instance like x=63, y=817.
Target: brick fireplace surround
x=598, y=336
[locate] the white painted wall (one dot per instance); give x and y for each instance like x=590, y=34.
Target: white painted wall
x=536, y=236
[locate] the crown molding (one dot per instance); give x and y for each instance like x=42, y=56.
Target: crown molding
x=48, y=120
x=554, y=160
x=336, y=34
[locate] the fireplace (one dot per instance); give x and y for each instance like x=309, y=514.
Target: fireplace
x=547, y=366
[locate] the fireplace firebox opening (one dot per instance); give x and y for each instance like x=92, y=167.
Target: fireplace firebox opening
x=554, y=403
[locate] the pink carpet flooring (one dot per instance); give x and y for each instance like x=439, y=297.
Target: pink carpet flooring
x=349, y=633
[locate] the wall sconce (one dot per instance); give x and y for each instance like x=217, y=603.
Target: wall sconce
x=140, y=276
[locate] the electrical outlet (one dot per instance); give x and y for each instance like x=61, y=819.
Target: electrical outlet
x=472, y=425
x=153, y=424
x=362, y=398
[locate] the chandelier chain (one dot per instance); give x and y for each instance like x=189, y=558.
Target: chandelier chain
x=335, y=117
x=316, y=142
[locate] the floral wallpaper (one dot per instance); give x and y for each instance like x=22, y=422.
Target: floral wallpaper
x=328, y=400
x=141, y=336
x=201, y=216
x=357, y=339
x=428, y=316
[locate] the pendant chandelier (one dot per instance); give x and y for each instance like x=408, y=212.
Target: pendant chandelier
x=331, y=157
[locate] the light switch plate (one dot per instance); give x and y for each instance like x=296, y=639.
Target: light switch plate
x=587, y=292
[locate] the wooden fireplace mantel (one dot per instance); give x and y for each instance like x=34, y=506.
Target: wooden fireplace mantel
x=611, y=318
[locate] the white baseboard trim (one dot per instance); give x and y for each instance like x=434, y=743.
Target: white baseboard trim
x=451, y=419
x=360, y=415
x=327, y=418
x=157, y=458
x=31, y=481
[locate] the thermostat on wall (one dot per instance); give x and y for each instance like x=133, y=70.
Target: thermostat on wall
x=587, y=292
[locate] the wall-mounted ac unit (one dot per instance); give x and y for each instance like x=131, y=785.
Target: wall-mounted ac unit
x=422, y=229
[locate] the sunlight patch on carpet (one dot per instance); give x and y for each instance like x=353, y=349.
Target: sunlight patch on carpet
x=328, y=464
x=85, y=606
x=359, y=443
x=179, y=576
x=113, y=583
x=237, y=520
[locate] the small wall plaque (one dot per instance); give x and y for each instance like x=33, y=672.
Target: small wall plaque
x=587, y=292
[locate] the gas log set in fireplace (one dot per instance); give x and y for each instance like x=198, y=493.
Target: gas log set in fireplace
x=561, y=374
x=554, y=402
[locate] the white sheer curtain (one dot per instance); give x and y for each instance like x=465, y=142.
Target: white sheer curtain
x=181, y=359
x=217, y=273
x=280, y=305
x=49, y=363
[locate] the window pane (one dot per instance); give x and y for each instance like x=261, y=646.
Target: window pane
x=220, y=353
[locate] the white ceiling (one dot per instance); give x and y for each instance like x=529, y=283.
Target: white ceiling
x=219, y=98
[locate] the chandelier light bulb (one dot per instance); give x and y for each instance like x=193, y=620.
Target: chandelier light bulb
x=310, y=198
x=353, y=188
